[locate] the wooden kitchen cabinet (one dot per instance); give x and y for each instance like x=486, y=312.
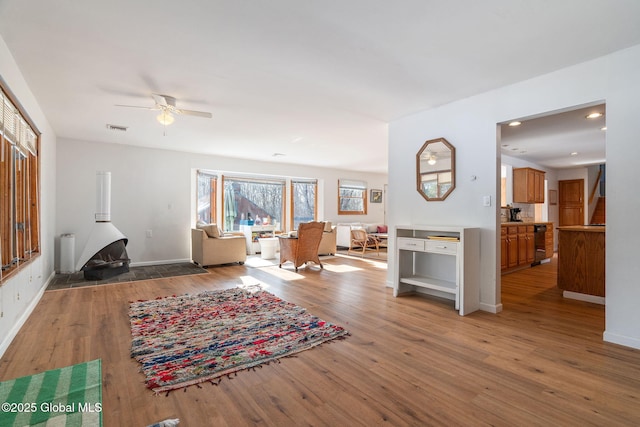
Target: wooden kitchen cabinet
x=548, y=241
x=512, y=246
x=581, y=259
x=526, y=245
x=528, y=185
x=504, y=257
x=517, y=246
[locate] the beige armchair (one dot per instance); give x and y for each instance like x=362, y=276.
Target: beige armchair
x=206, y=250
x=328, y=241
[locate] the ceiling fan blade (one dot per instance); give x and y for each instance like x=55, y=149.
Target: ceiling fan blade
x=160, y=99
x=194, y=113
x=137, y=106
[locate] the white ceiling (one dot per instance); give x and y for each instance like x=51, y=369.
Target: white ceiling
x=560, y=140
x=316, y=81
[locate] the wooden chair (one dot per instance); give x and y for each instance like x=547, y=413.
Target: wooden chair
x=361, y=241
x=304, y=247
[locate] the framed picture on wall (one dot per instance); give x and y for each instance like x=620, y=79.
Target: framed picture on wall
x=376, y=196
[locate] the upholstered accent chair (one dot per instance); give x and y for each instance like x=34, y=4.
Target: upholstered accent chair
x=328, y=241
x=211, y=247
x=304, y=247
x=361, y=241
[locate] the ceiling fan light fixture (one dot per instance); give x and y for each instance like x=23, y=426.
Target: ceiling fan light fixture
x=165, y=118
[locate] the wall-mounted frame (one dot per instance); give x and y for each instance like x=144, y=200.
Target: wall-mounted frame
x=376, y=196
x=553, y=197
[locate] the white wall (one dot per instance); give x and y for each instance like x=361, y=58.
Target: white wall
x=154, y=190
x=470, y=125
x=20, y=293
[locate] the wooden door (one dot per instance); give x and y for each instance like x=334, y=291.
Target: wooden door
x=571, y=202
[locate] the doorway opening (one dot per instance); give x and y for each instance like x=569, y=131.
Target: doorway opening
x=565, y=144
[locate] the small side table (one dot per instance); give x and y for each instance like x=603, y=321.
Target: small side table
x=268, y=247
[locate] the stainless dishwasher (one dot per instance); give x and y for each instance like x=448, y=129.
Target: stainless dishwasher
x=539, y=232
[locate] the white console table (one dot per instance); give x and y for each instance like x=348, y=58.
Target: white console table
x=441, y=261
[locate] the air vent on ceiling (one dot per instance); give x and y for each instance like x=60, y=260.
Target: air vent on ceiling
x=116, y=127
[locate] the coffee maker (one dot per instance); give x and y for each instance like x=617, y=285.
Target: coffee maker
x=513, y=215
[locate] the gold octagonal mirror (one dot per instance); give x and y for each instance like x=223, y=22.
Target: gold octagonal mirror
x=435, y=169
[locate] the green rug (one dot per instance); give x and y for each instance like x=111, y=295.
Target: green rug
x=70, y=396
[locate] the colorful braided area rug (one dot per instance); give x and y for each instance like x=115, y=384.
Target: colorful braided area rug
x=189, y=339
x=69, y=396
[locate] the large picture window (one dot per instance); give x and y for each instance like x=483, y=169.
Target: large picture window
x=304, y=201
x=352, y=197
x=206, y=199
x=252, y=201
x=19, y=186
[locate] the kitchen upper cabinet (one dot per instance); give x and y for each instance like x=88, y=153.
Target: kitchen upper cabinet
x=528, y=185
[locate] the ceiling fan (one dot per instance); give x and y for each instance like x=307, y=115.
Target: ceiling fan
x=167, y=107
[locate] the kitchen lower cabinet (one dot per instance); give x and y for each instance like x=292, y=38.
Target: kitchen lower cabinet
x=517, y=245
x=581, y=259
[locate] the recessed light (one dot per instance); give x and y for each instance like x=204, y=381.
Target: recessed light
x=277, y=154
x=603, y=128
x=574, y=153
x=515, y=123
x=515, y=149
x=594, y=115
x=505, y=145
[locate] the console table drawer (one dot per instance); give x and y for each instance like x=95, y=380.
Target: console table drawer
x=409, y=244
x=442, y=247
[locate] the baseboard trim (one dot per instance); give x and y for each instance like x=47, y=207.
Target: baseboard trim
x=491, y=308
x=4, y=345
x=162, y=262
x=583, y=297
x=621, y=340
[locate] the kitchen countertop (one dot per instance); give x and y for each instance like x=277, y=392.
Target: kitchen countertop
x=589, y=228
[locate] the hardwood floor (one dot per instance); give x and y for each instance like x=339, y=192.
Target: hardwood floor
x=409, y=360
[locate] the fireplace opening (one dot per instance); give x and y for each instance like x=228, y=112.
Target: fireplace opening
x=108, y=262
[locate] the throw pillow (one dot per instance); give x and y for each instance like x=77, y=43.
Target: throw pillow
x=212, y=230
x=382, y=229
x=327, y=226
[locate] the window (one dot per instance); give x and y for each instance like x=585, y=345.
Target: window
x=19, y=186
x=435, y=185
x=352, y=197
x=303, y=201
x=252, y=201
x=206, y=200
